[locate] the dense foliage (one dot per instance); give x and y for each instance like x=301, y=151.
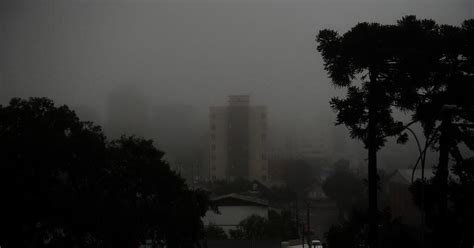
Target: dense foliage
x=353, y=232
x=417, y=67
x=460, y=212
x=215, y=232
x=278, y=226
x=64, y=185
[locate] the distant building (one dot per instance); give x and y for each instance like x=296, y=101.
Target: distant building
x=234, y=208
x=238, y=141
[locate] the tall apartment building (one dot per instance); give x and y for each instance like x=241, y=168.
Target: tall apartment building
x=238, y=141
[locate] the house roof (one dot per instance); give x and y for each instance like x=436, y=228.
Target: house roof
x=239, y=200
x=405, y=175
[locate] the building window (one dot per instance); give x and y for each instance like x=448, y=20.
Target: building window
x=213, y=147
x=264, y=178
x=214, y=178
x=263, y=115
x=213, y=157
x=263, y=156
x=213, y=127
x=213, y=168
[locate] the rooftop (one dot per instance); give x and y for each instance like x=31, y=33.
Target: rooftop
x=405, y=175
x=239, y=200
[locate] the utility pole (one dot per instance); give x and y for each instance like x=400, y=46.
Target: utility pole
x=308, y=223
x=298, y=221
x=192, y=175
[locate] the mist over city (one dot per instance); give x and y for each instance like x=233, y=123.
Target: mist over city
x=234, y=102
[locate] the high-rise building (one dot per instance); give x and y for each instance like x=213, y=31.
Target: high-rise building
x=238, y=141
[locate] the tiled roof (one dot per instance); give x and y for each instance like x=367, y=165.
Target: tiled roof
x=249, y=199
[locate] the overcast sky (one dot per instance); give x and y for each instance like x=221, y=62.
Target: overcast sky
x=189, y=51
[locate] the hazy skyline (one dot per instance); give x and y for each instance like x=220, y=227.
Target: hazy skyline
x=189, y=52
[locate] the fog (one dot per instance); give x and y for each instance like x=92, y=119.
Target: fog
x=117, y=61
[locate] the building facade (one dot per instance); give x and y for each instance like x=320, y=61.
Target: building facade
x=238, y=141
x=233, y=208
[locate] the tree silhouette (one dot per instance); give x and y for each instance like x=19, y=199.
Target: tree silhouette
x=417, y=66
x=458, y=229
x=353, y=232
x=48, y=162
x=462, y=196
x=215, y=232
x=277, y=226
x=64, y=185
x=154, y=202
x=361, y=60
x=436, y=71
x=456, y=88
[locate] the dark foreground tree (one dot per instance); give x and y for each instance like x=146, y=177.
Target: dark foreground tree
x=154, y=202
x=455, y=102
x=361, y=60
x=352, y=233
x=462, y=196
x=436, y=71
x=459, y=231
x=415, y=65
x=63, y=185
x=49, y=165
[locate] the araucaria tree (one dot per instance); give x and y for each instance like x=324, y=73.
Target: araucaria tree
x=437, y=66
x=361, y=60
x=415, y=65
